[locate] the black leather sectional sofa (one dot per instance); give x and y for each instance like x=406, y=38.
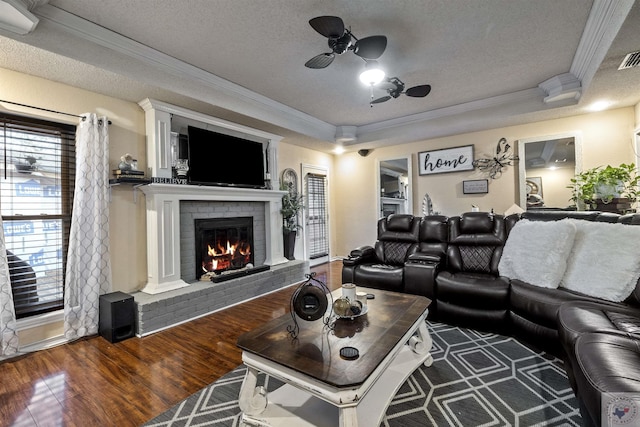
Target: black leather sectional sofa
x=454, y=262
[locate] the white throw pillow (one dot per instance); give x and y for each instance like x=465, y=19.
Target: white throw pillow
x=536, y=252
x=604, y=262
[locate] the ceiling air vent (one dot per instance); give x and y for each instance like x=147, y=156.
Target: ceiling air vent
x=631, y=60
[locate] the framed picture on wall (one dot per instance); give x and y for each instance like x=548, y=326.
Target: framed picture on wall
x=475, y=186
x=446, y=160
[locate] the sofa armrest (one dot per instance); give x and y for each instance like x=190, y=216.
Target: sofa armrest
x=360, y=255
x=424, y=257
x=420, y=273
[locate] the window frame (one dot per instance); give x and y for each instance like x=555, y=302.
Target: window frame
x=66, y=144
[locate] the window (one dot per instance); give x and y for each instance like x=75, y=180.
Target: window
x=317, y=215
x=37, y=168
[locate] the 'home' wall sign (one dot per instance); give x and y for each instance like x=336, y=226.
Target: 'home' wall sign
x=446, y=160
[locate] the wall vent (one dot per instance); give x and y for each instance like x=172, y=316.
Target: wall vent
x=631, y=60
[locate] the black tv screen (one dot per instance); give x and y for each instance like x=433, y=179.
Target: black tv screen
x=224, y=160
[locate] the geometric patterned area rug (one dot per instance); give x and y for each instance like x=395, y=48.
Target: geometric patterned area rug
x=477, y=379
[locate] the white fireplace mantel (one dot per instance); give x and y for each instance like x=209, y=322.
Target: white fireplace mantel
x=163, y=227
x=163, y=200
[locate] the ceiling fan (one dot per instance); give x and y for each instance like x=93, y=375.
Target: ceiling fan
x=395, y=87
x=342, y=40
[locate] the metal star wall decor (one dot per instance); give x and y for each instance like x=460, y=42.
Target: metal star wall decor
x=503, y=157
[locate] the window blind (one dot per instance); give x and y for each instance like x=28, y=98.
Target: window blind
x=37, y=161
x=317, y=215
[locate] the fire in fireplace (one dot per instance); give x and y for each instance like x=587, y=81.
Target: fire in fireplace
x=223, y=244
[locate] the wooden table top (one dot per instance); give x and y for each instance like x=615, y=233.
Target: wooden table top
x=316, y=351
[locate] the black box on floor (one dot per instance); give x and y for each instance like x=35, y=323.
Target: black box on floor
x=117, y=316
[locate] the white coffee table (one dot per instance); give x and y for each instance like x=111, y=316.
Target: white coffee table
x=323, y=389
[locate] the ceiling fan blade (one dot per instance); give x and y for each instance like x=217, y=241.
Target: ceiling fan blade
x=320, y=61
x=370, y=47
x=331, y=27
x=419, y=91
x=379, y=100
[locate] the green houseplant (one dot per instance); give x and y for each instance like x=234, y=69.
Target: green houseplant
x=292, y=204
x=599, y=186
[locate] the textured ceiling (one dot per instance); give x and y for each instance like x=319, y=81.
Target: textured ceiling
x=468, y=51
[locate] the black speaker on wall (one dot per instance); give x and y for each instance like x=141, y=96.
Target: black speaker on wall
x=117, y=316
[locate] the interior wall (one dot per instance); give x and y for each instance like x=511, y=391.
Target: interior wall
x=293, y=157
x=606, y=136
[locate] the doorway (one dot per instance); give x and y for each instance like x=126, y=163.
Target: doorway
x=316, y=214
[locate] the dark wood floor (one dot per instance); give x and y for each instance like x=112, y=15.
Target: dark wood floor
x=93, y=382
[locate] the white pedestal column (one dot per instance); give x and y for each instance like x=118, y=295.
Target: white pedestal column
x=163, y=245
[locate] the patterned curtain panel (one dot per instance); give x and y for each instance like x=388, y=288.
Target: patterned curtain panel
x=8, y=331
x=88, y=261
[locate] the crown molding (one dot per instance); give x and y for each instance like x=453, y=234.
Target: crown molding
x=561, y=88
x=523, y=96
x=32, y=4
x=605, y=20
x=15, y=17
x=254, y=103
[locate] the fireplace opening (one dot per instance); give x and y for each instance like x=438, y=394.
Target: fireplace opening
x=223, y=244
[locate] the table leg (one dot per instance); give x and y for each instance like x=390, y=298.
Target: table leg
x=421, y=343
x=348, y=417
x=252, y=400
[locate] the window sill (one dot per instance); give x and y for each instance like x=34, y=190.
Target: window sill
x=40, y=320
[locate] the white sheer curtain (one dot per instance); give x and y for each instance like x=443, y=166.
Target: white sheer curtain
x=8, y=331
x=88, y=261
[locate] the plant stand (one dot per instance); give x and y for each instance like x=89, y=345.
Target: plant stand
x=617, y=205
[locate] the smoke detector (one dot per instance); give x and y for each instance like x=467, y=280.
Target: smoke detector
x=631, y=60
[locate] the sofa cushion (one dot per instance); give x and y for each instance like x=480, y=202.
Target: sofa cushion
x=536, y=252
x=481, y=319
x=380, y=276
x=541, y=305
x=398, y=228
x=473, y=289
x=395, y=252
x=476, y=258
x=576, y=318
x=604, y=262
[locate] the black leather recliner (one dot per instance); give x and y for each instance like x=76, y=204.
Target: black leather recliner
x=601, y=342
x=456, y=267
x=470, y=291
x=382, y=266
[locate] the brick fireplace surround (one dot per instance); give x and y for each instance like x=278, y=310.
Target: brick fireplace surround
x=162, y=311
x=173, y=294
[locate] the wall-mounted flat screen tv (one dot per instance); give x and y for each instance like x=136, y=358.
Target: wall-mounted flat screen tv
x=224, y=160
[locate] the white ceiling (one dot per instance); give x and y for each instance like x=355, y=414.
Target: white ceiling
x=243, y=60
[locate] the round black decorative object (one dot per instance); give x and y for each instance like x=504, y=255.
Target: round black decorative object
x=349, y=353
x=310, y=303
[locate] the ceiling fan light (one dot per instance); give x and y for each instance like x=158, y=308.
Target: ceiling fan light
x=372, y=74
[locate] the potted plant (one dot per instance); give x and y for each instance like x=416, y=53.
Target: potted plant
x=597, y=188
x=292, y=204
